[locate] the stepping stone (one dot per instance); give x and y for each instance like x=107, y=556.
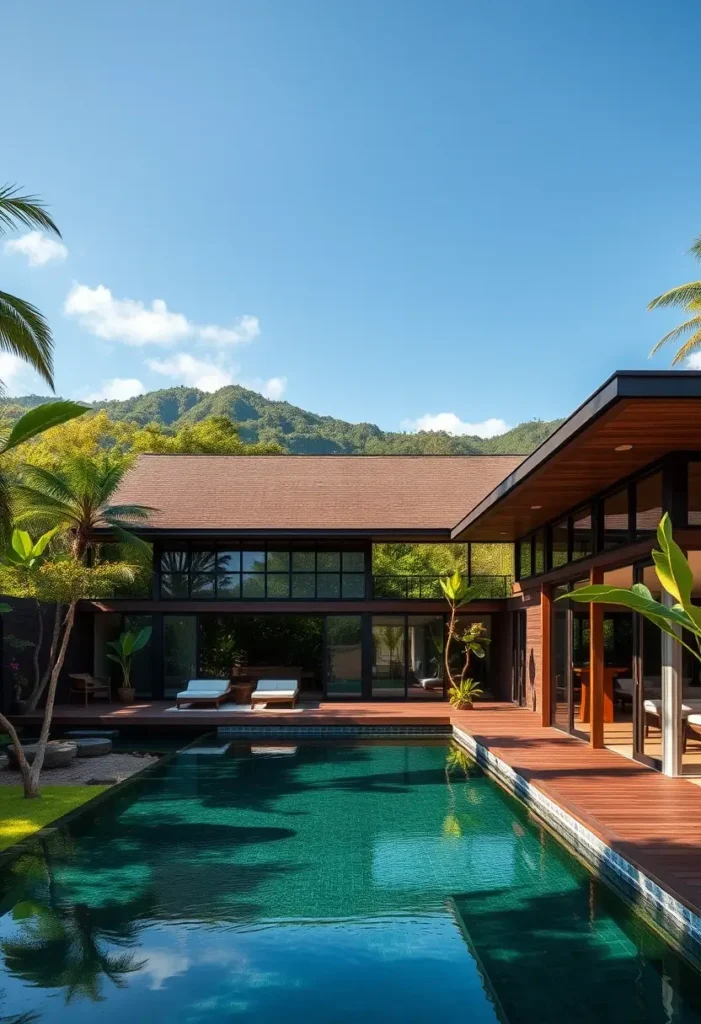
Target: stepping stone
x=93, y=746
x=76, y=734
x=59, y=753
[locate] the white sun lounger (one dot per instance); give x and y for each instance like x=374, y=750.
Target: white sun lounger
x=212, y=691
x=274, y=691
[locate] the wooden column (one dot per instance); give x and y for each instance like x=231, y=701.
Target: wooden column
x=546, y=653
x=596, y=665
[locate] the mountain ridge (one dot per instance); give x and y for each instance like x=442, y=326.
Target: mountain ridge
x=297, y=430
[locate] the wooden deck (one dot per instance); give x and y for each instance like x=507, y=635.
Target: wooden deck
x=653, y=821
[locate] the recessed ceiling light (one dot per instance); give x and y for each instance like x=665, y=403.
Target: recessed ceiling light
x=623, y=447
x=536, y=507
x=502, y=533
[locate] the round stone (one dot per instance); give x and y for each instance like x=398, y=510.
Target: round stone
x=93, y=746
x=59, y=753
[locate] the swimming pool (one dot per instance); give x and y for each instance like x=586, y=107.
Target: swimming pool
x=322, y=882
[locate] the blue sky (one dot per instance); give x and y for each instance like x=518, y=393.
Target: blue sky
x=382, y=209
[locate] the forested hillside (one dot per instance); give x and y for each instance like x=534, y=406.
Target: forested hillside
x=259, y=419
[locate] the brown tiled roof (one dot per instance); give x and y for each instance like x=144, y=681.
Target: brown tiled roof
x=311, y=492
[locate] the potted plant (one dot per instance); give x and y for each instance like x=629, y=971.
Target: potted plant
x=125, y=648
x=462, y=694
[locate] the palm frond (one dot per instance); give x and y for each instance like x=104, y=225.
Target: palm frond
x=47, y=482
x=692, y=345
x=24, y=332
x=127, y=512
x=695, y=249
x=29, y=211
x=35, y=503
x=689, y=325
x=39, y=419
x=682, y=295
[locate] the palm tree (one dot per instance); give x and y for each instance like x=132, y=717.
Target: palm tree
x=77, y=498
x=688, y=298
x=24, y=331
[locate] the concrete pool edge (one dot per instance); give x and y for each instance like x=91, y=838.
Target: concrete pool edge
x=669, y=914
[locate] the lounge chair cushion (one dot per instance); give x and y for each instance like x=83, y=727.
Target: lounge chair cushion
x=204, y=689
x=276, y=686
x=654, y=707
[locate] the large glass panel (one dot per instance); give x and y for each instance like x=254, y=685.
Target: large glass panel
x=253, y=561
x=179, y=652
x=691, y=681
x=560, y=536
x=229, y=561
x=353, y=561
x=142, y=661
x=426, y=637
x=616, y=519
x=175, y=561
x=303, y=561
x=303, y=585
x=252, y=585
x=539, y=552
x=175, y=584
x=695, y=494
x=650, y=648
x=278, y=586
x=202, y=584
x=344, y=662
x=582, y=541
x=561, y=681
x=388, y=656
x=328, y=561
x=278, y=561
x=524, y=558
x=648, y=503
x=353, y=584
x=229, y=586
x=619, y=673
x=328, y=585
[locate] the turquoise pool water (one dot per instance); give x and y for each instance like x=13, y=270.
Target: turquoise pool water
x=322, y=882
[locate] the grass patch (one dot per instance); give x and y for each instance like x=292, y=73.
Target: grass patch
x=19, y=818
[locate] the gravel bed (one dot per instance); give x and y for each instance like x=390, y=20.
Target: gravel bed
x=106, y=770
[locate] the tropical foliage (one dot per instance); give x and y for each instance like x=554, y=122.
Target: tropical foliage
x=462, y=694
x=688, y=298
x=24, y=331
x=62, y=580
x=676, y=578
x=125, y=647
x=259, y=420
x=77, y=499
x=472, y=640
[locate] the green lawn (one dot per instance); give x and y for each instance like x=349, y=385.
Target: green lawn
x=20, y=818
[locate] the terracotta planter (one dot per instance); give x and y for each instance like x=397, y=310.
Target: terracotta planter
x=126, y=694
x=242, y=692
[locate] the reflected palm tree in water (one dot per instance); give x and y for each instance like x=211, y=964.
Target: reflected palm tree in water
x=69, y=946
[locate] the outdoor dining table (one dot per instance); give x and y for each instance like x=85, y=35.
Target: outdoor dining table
x=610, y=673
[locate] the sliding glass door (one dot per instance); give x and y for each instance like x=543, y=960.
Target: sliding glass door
x=389, y=656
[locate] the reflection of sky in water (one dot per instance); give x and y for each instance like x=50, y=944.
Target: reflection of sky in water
x=344, y=883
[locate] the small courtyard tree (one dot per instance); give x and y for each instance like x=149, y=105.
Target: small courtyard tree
x=473, y=641
x=62, y=581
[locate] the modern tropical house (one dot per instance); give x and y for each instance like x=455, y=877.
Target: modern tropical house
x=268, y=561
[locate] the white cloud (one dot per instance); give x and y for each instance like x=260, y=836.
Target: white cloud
x=162, y=964
x=693, y=362
x=38, y=248
x=196, y=373
x=136, y=323
x=12, y=369
x=118, y=388
x=274, y=388
x=452, y=424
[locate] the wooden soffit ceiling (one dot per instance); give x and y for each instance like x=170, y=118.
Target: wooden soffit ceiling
x=585, y=464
